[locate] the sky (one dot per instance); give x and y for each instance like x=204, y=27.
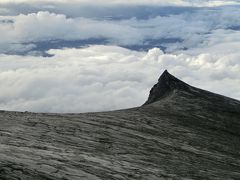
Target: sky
x=199, y=3
x=57, y=56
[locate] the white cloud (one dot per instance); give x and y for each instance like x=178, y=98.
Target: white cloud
x=44, y=26
x=194, y=28
x=105, y=78
x=100, y=78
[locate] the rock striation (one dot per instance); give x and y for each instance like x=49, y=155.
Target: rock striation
x=181, y=132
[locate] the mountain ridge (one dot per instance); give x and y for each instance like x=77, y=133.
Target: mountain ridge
x=181, y=132
x=168, y=83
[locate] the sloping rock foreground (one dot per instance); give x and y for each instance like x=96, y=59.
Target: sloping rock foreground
x=181, y=132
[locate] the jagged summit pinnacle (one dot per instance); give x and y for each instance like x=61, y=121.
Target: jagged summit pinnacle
x=166, y=84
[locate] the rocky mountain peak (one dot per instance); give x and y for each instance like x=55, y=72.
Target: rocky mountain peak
x=190, y=135
x=166, y=84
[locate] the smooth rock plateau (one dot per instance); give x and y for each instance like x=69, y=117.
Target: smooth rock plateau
x=181, y=132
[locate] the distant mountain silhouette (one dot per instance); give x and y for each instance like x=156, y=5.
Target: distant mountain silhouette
x=181, y=132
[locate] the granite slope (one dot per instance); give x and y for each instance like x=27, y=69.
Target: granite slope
x=181, y=132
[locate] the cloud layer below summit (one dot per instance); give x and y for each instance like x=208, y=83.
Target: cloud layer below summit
x=54, y=58
x=190, y=29
x=100, y=78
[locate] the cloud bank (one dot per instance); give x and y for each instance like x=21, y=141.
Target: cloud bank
x=198, y=45
x=188, y=30
x=100, y=78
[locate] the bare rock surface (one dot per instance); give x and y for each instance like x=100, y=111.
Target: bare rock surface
x=181, y=132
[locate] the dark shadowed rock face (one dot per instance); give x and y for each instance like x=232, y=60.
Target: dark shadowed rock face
x=181, y=132
x=166, y=84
